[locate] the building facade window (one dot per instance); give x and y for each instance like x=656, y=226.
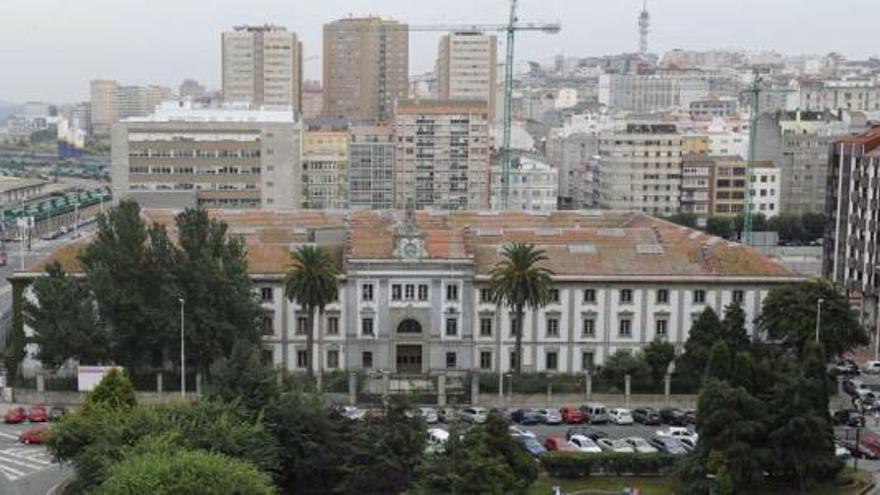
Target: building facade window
x=513, y=360
x=302, y=323
x=367, y=292
x=302, y=359
x=332, y=359
x=662, y=296
x=396, y=292
x=451, y=327
x=452, y=293
x=485, y=295
x=266, y=294
x=451, y=360
x=515, y=326
x=267, y=324
x=332, y=325
x=553, y=327
x=423, y=292
x=552, y=360
x=589, y=296
x=699, y=296
x=625, y=327
x=554, y=295
x=485, y=327
x=626, y=296
x=409, y=292
x=589, y=329
x=486, y=360
x=587, y=359
x=661, y=327
x=739, y=296
x=367, y=326
x=366, y=359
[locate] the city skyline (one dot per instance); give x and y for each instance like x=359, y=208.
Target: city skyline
x=58, y=47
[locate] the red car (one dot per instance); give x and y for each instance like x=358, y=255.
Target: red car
x=572, y=415
x=558, y=444
x=38, y=414
x=34, y=434
x=15, y=415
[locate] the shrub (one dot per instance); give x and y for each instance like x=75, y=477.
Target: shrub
x=184, y=473
x=566, y=465
x=114, y=390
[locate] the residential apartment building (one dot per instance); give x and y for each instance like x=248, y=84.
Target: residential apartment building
x=366, y=67
x=466, y=67
x=262, y=66
x=695, y=144
x=111, y=102
x=415, y=298
x=852, y=232
x=714, y=107
x=371, y=167
x=575, y=158
x=798, y=143
x=325, y=163
x=640, y=169
x=441, y=159
x=215, y=158
x=861, y=95
x=534, y=186
x=730, y=188
x=698, y=185
x=728, y=137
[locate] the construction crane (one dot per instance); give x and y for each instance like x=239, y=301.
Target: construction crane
x=755, y=92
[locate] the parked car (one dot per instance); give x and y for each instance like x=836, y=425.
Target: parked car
x=586, y=431
x=851, y=385
x=526, y=417
x=516, y=431
x=867, y=447
x=474, y=415
x=446, y=414
x=843, y=367
x=558, y=444
x=57, y=412
x=34, y=434
x=618, y=446
x=678, y=432
x=550, y=416
x=37, y=414
x=437, y=439
x=572, y=415
x=501, y=412
x=584, y=444
x=690, y=416
x=640, y=445
x=871, y=367
x=374, y=415
x=690, y=443
x=848, y=417
x=841, y=452
x=15, y=415
x=530, y=444
x=595, y=413
x=646, y=416
x=669, y=445
x=672, y=416
x=353, y=413
x=428, y=414
x=620, y=416
x=865, y=397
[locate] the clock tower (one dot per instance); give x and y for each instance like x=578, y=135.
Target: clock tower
x=410, y=243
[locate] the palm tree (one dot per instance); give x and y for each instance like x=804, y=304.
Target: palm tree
x=313, y=281
x=517, y=281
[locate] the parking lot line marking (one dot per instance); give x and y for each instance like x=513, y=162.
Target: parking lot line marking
x=11, y=474
x=8, y=435
x=9, y=459
x=30, y=455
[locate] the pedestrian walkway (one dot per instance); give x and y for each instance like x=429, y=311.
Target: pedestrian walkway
x=19, y=462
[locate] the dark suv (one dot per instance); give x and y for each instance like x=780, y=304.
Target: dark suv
x=673, y=417
x=848, y=417
x=646, y=416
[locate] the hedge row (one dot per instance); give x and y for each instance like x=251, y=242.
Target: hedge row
x=576, y=465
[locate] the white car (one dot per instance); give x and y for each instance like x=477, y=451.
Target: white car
x=474, y=415
x=618, y=446
x=437, y=439
x=353, y=413
x=871, y=367
x=640, y=445
x=620, y=416
x=428, y=414
x=516, y=431
x=678, y=432
x=550, y=416
x=689, y=443
x=584, y=444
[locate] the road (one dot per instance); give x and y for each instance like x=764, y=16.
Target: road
x=26, y=469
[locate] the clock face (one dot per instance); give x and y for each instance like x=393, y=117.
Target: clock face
x=410, y=250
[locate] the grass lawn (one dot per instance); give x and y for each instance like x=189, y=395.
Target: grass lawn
x=851, y=484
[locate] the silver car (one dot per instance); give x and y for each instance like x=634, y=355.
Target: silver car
x=474, y=414
x=428, y=414
x=550, y=416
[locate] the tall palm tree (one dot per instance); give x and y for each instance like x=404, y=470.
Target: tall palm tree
x=313, y=281
x=518, y=281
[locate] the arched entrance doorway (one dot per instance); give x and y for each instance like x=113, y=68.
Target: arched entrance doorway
x=409, y=356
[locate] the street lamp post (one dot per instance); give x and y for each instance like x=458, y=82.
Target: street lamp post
x=818, y=316
x=182, y=354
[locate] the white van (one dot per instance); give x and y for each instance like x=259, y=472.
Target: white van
x=595, y=413
x=620, y=416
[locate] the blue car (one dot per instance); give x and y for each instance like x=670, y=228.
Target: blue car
x=527, y=417
x=530, y=445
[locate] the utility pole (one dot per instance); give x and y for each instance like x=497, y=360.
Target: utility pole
x=755, y=91
x=182, y=354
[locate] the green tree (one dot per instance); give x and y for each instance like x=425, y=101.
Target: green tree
x=312, y=281
x=518, y=281
x=62, y=317
x=184, y=473
x=658, y=354
x=114, y=390
x=789, y=315
x=719, y=365
x=245, y=377
x=720, y=226
x=814, y=225
x=622, y=363
x=733, y=328
x=788, y=226
x=704, y=333
x=759, y=222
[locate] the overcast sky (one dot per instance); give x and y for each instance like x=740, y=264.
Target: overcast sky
x=50, y=49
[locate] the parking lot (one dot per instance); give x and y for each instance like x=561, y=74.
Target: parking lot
x=26, y=469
